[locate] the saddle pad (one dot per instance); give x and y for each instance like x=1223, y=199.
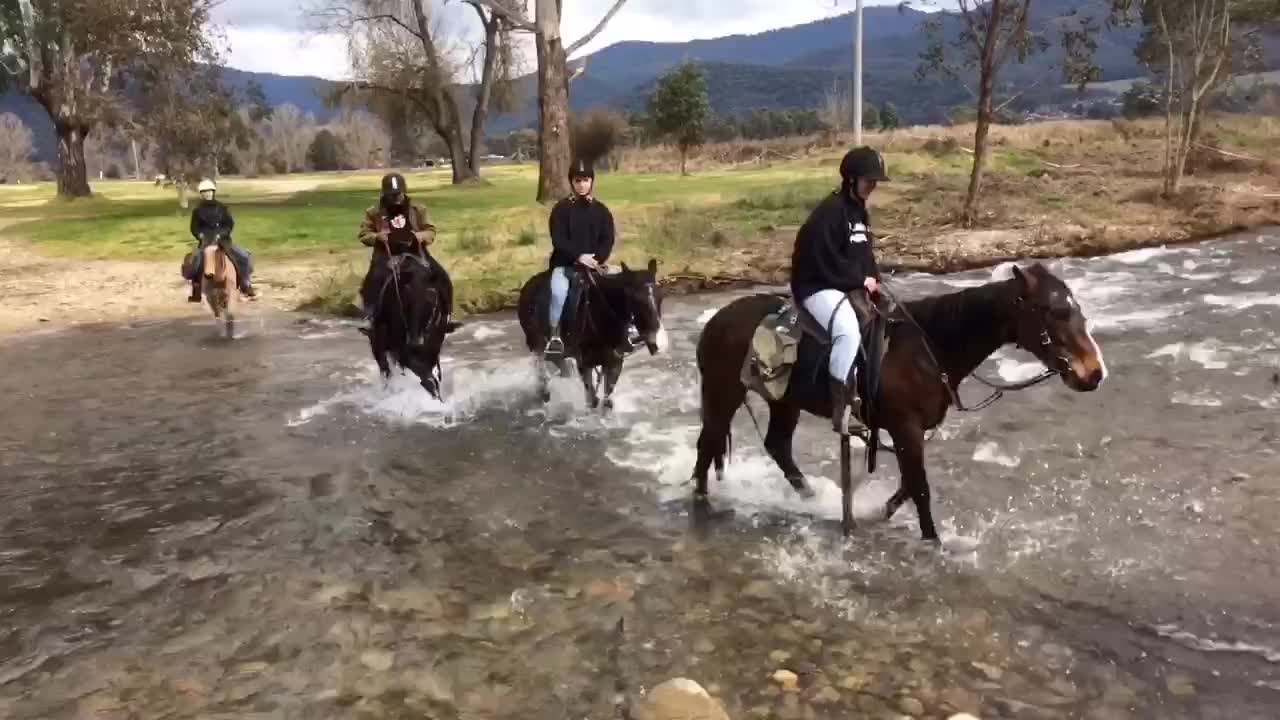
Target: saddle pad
x=773, y=353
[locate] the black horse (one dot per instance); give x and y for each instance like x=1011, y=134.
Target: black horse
x=934, y=344
x=594, y=328
x=414, y=313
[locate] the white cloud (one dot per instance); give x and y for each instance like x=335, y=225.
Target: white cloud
x=284, y=52
x=272, y=35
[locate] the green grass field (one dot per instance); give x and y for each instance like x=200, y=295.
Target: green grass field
x=491, y=235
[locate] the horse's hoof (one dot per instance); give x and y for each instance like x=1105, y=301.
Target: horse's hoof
x=700, y=498
x=801, y=486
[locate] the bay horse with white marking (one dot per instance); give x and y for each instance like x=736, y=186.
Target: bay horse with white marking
x=934, y=343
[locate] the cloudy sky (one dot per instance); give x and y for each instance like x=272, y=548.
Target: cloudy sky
x=274, y=35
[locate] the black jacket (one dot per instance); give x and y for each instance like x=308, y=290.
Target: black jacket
x=833, y=249
x=580, y=227
x=211, y=215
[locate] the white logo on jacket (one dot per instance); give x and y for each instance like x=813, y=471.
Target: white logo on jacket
x=857, y=233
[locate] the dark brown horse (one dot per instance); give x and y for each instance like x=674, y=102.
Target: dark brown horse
x=414, y=314
x=934, y=343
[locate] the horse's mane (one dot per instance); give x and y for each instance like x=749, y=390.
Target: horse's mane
x=956, y=316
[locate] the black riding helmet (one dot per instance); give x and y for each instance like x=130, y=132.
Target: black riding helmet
x=581, y=168
x=863, y=162
x=393, y=184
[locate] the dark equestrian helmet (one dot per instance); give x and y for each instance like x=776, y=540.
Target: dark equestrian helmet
x=581, y=168
x=863, y=162
x=393, y=184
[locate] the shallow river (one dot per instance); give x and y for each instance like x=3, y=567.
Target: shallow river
x=262, y=529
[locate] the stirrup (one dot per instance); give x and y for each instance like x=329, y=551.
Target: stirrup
x=554, y=349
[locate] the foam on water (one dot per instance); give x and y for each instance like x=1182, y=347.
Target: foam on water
x=1138, y=257
x=1243, y=301
x=990, y=452
x=1203, y=398
x=1191, y=640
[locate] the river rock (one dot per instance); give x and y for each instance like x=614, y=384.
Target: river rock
x=960, y=699
x=962, y=716
x=778, y=657
x=911, y=706
x=1180, y=685
x=759, y=589
x=991, y=671
x=680, y=699
x=787, y=679
x=377, y=660
x=704, y=647
x=826, y=696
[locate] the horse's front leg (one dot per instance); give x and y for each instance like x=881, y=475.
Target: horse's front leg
x=589, y=384
x=377, y=344
x=612, y=372
x=909, y=441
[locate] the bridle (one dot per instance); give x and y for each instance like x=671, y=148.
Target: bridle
x=592, y=279
x=998, y=389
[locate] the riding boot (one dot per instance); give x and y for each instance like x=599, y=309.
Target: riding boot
x=195, y=292
x=843, y=407
x=555, y=346
x=247, y=290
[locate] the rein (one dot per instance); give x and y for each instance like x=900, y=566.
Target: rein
x=998, y=389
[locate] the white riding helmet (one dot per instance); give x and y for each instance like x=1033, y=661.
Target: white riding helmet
x=207, y=184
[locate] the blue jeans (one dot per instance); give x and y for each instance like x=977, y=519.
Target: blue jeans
x=559, y=293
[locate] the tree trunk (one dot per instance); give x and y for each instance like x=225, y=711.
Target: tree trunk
x=684, y=161
x=481, y=113
x=462, y=170
x=985, y=92
x=73, y=181
x=553, y=118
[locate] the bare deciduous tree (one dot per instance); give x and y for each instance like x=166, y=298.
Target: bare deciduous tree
x=74, y=56
x=553, y=84
x=400, y=51
x=990, y=34
x=16, y=147
x=365, y=139
x=289, y=134
x=1193, y=43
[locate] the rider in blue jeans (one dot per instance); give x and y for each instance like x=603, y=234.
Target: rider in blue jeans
x=211, y=215
x=581, y=236
x=833, y=257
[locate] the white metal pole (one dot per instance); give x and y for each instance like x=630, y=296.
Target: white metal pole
x=857, y=75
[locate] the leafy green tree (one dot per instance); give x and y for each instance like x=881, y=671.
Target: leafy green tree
x=679, y=108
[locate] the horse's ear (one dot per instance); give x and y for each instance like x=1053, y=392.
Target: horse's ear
x=625, y=269
x=1028, y=280
x=653, y=266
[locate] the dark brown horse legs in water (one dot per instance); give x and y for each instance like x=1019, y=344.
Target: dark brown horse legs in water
x=941, y=341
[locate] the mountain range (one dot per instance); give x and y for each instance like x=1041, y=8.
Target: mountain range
x=793, y=67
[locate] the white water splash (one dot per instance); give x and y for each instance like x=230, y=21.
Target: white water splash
x=1143, y=255
x=401, y=399
x=989, y=452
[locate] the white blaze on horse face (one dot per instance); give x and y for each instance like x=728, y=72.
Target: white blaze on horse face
x=1097, y=351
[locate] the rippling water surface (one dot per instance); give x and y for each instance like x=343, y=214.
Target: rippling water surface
x=263, y=529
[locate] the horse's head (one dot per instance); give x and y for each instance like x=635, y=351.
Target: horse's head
x=1051, y=325
x=644, y=305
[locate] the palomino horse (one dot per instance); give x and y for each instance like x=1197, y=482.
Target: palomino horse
x=414, y=313
x=935, y=343
x=220, y=282
x=595, y=326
